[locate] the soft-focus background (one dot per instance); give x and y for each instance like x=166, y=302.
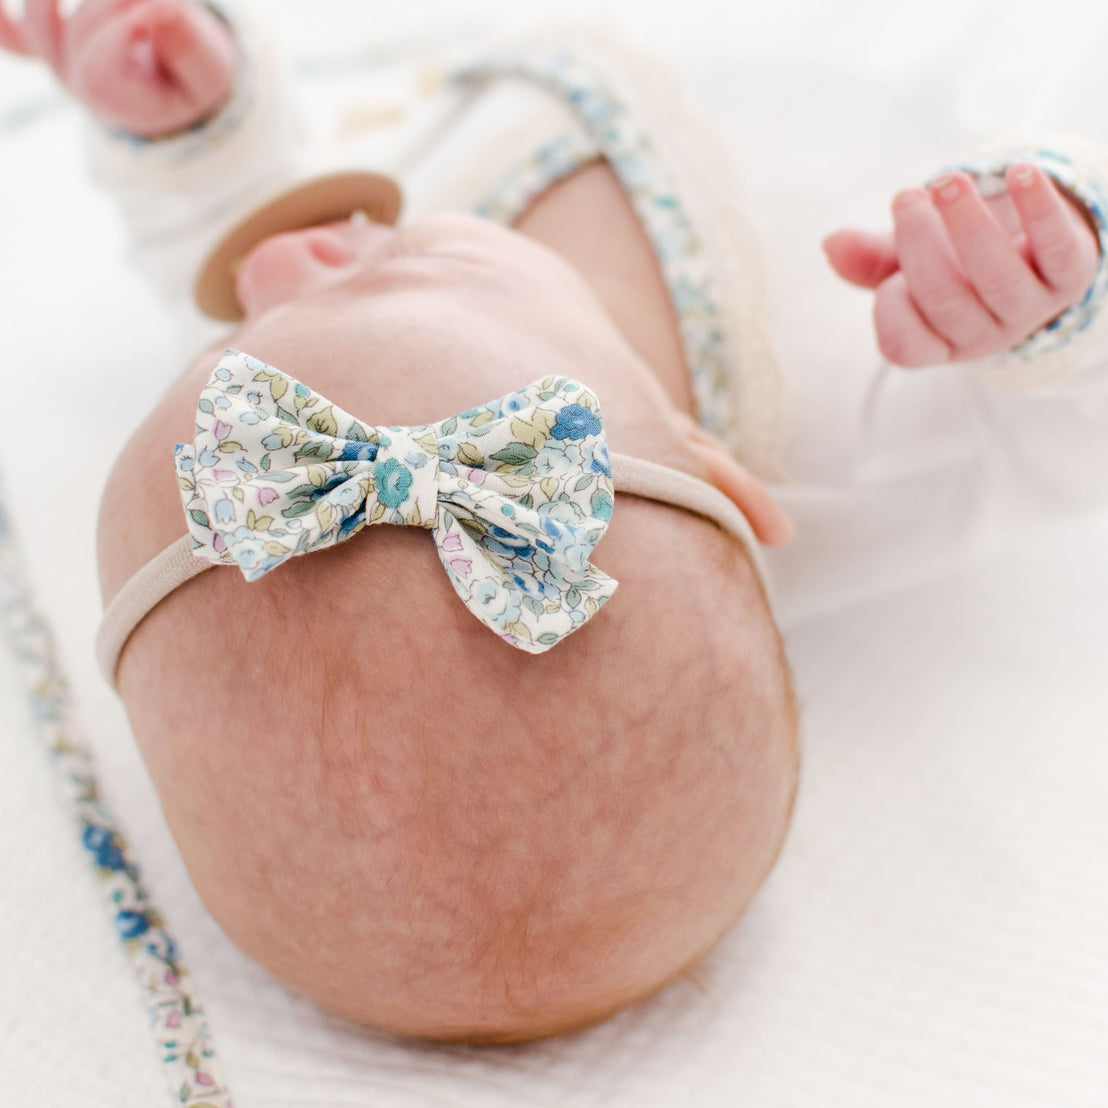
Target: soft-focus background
x=935, y=931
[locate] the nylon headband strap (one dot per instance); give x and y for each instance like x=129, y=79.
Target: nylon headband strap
x=177, y=564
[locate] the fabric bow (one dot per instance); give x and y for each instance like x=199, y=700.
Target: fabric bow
x=516, y=493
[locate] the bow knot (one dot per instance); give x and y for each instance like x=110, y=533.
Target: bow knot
x=517, y=492
x=406, y=475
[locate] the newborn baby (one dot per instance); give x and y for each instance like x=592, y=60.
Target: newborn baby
x=397, y=813
x=428, y=822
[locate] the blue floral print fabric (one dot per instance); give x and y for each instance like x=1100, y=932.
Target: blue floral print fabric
x=516, y=492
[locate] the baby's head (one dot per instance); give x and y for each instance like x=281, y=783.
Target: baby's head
x=404, y=818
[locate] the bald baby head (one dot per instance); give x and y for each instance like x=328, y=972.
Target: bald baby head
x=405, y=819
x=427, y=831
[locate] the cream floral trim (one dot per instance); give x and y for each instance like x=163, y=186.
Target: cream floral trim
x=652, y=191
x=185, y=1049
x=516, y=492
x=526, y=182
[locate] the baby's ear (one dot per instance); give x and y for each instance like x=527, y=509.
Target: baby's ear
x=772, y=526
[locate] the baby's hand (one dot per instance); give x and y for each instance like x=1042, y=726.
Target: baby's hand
x=151, y=67
x=961, y=277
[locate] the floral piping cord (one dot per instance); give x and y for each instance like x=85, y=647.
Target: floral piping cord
x=190, y=1064
x=611, y=130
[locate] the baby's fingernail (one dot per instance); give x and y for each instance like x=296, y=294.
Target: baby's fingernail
x=947, y=188
x=1023, y=175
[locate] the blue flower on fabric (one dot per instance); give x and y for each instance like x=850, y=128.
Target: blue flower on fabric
x=131, y=924
x=486, y=592
x=248, y=549
x=358, y=452
x=508, y=549
x=393, y=483
x=575, y=422
x=352, y=522
x=507, y=544
x=224, y=510
x=601, y=505
x=601, y=462
x=161, y=946
x=332, y=482
x=349, y=495
x=528, y=583
x=103, y=845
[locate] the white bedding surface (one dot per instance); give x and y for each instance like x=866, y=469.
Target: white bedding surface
x=935, y=930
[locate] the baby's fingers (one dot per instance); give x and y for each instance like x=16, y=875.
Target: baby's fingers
x=863, y=258
x=936, y=280
x=992, y=263
x=44, y=32
x=195, y=48
x=11, y=34
x=1061, y=245
x=904, y=336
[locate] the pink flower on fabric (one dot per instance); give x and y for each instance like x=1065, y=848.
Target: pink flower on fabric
x=220, y=429
x=267, y=496
x=453, y=541
x=218, y=545
x=173, y=1019
x=222, y=475
x=477, y=476
x=461, y=566
x=203, y=1079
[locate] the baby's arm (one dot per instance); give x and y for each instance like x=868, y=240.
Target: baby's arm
x=946, y=465
x=150, y=67
x=961, y=277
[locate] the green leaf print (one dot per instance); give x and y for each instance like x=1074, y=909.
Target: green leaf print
x=324, y=422
x=515, y=454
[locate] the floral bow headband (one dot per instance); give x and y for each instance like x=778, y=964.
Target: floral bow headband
x=516, y=493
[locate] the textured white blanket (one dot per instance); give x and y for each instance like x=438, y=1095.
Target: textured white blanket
x=934, y=932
